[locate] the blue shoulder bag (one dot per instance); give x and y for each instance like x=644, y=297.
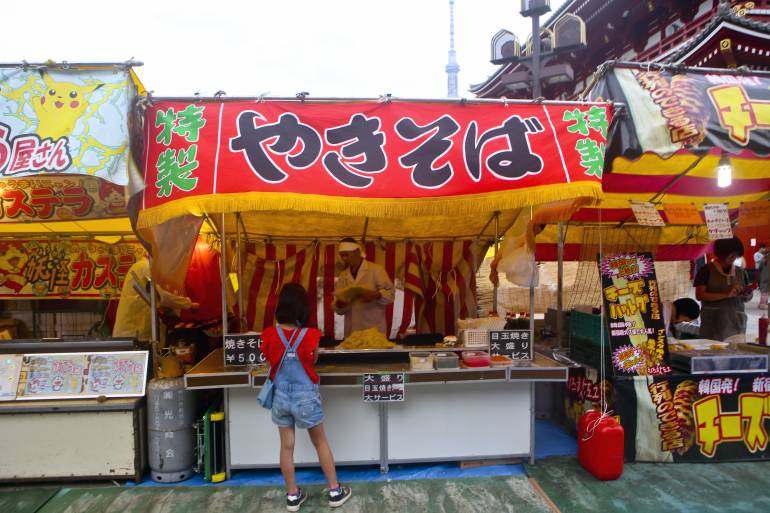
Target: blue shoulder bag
x=265, y=397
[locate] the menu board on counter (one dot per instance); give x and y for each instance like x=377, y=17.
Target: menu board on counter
x=634, y=314
x=74, y=375
x=10, y=368
x=243, y=349
x=51, y=376
x=515, y=344
x=117, y=373
x=384, y=387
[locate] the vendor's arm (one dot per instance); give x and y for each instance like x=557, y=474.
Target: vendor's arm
x=341, y=307
x=385, y=289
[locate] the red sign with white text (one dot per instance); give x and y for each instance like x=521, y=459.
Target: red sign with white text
x=368, y=149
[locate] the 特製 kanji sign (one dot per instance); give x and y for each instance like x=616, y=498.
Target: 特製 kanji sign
x=368, y=149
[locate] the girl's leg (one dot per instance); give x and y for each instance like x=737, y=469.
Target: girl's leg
x=287, y=458
x=318, y=437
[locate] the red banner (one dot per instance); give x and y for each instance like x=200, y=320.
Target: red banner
x=368, y=149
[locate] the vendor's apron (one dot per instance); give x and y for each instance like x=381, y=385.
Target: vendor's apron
x=726, y=317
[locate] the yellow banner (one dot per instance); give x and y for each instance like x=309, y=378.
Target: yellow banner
x=65, y=270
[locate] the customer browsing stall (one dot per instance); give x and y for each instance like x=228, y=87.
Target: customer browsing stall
x=723, y=289
x=292, y=350
x=362, y=292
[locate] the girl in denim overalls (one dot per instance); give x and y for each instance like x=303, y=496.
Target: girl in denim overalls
x=297, y=399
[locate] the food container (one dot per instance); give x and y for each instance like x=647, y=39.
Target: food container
x=476, y=358
x=420, y=360
x=446, y=360
x=450, y=341
x=500, y=360
x=476, y=338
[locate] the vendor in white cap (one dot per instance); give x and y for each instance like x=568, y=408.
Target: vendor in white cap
x=363, y=290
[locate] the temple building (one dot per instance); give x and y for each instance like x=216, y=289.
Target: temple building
x=703, y=33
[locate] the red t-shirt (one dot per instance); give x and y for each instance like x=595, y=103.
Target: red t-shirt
x=273, y=349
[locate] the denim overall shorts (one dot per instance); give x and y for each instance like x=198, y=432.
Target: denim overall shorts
x=297, y=400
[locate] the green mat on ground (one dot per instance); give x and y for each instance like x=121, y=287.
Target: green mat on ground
x=26, y=499
x=657, y=487
x=492, y=494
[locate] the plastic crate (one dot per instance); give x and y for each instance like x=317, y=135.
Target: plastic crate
x=585, y=326
x=476, y=338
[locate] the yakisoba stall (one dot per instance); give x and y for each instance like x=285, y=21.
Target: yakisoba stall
x=428, y=186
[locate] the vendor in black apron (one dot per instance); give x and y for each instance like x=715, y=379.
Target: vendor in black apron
x=722, y=289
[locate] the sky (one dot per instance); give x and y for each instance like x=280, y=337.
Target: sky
x=332, y=48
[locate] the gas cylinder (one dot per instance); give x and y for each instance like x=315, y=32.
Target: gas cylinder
x=600, y=445
x=170, y=419
x=762, y=339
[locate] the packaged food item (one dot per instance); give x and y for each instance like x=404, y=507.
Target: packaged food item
x=450, y=341
x=476, y=358
x=419, y=360
x=446, y=361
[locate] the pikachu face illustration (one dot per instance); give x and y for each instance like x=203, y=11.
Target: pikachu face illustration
x=60, y=106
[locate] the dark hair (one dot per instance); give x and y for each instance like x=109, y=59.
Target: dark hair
x=726, y=247
x=688, y=307
x=293, y=305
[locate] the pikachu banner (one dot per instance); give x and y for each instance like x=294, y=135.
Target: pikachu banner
x=65, y=121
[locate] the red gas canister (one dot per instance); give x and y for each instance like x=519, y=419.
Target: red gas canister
x=600, y=446
x=762, y=339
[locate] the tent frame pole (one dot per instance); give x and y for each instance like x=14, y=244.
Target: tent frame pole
x=241, y=310
x=560, y=285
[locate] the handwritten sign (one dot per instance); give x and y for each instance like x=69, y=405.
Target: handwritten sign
x=384, y=387
x=718, y=221
x=516, y=344
x=682, y=213
x=646, y=214
x=754, y=213
x=243, y=349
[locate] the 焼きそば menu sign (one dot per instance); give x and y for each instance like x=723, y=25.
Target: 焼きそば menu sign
x=634, y=314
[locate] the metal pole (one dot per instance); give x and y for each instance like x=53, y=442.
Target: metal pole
x=241, y=310
x=153, y=309
x=532, y=291
x=223, y=276
x=560, y=285
x=536, y=93
x=383, y=414
x=497, y=240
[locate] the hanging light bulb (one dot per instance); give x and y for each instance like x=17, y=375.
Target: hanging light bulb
x=724, y=171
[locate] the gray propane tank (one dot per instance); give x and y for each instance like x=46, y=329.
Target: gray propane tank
x=170, y=418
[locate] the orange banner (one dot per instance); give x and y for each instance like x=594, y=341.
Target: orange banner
x=754, y=213
x=682, y=213
x=60, y=198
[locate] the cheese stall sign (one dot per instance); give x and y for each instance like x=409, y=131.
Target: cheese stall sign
x=634, y=313
x=72, y=121
x=368, y=149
